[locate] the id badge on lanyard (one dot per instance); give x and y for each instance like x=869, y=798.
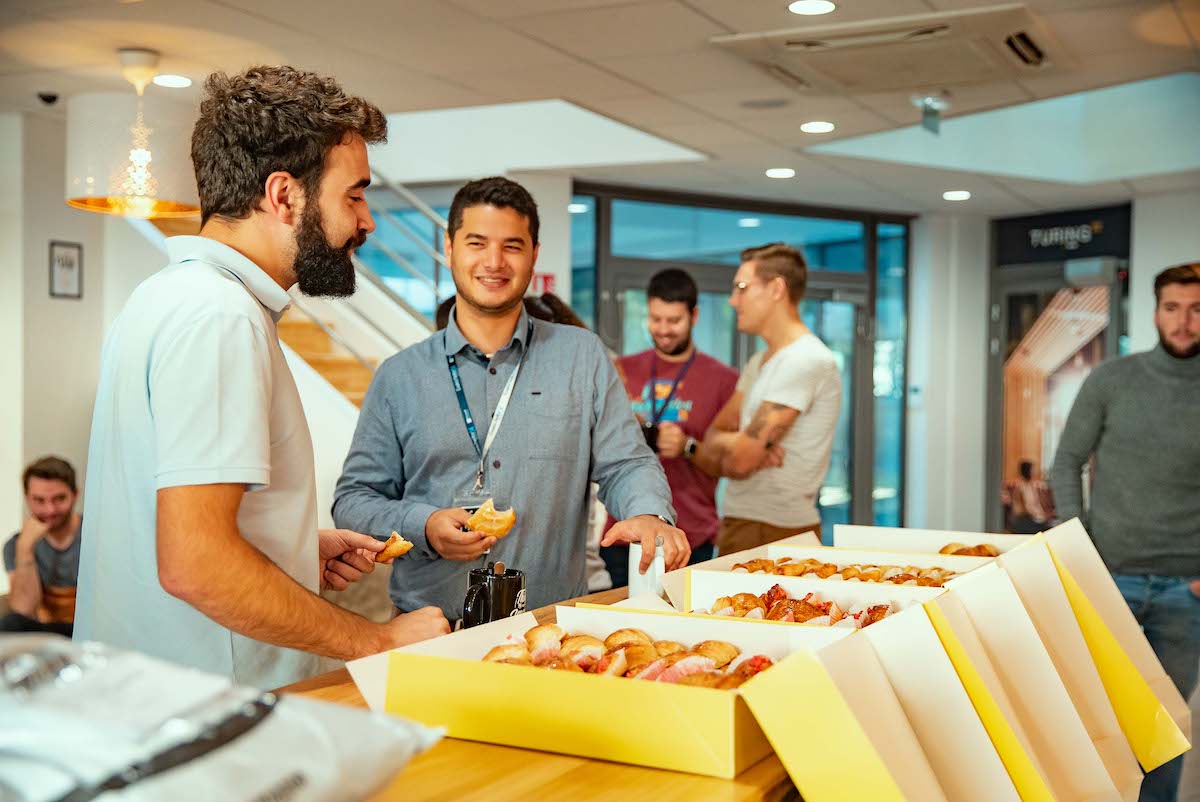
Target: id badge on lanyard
x=478, y=493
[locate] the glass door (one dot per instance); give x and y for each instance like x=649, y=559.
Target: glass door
x=1046, y=338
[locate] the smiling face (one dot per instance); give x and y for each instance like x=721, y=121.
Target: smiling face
x=492, y=257
x=670, y=324
x=50, y=501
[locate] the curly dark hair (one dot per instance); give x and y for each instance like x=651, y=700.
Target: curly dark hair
x=266, y=120
x=496, y=191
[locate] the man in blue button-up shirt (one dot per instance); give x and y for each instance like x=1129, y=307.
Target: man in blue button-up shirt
x=568, y=423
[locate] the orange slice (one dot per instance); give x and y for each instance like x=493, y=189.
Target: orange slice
x=490, y=521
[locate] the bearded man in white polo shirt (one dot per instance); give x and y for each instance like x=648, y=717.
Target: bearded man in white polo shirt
x=201, y=491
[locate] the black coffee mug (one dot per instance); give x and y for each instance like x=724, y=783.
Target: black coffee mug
x=650, y=432
x=492, y=596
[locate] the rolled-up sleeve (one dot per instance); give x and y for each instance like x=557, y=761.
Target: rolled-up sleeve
x=210, y=397
x=369, y=497
x=631, y=478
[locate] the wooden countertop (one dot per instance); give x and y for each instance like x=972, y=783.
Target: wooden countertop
x=468, y=770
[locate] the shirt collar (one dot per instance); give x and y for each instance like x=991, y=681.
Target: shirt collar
x=456, y=342
x=252, y=277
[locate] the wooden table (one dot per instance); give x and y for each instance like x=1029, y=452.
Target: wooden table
x=468, y=770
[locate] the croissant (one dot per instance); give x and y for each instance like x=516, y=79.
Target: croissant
x=638, y=655
x=625, y=637
x=720, y=652
x=562, y=664
x=613, y=664
x=667, y=647
x=684, y=664
x=743, y=603
x=508, y=653
x=583, y=649
x=544, y=642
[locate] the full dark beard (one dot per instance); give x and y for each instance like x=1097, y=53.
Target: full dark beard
x=1187, y=353
x=684, y=344
x=323, y=270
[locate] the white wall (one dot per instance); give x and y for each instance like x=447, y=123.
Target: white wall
x=62, y=337
x=947, y=434
x=1166, y=232
x=552, y=192
x=133, y=251
x=12, y=336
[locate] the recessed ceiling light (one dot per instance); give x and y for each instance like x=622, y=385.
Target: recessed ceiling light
x=578, y=208
x=956, y=195
x=749, y=222
x=811, y=8
x=781, y=172
x=172, y=81
x=817, y=127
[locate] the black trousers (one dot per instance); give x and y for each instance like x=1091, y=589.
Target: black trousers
x=15, y=622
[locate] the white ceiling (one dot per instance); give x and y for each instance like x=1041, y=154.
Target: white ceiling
x=647, y=63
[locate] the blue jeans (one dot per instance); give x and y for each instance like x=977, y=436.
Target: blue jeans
x=1169, y=614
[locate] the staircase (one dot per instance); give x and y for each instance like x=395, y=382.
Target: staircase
x=310, y=341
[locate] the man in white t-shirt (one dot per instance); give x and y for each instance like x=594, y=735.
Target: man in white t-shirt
x=775, y=435
x=201, y=543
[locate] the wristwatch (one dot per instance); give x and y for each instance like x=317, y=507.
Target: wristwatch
x=689, y=448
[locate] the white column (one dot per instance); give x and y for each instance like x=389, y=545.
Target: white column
x=947, y=399
x=12, y=329
x=62, y=337
x=1166, y=232
x=553, y=194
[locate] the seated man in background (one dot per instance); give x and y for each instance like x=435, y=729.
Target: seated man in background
x=42, y=559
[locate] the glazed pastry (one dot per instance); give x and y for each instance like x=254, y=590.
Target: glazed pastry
x=666, y=647
x=563, y=664
x=625, y=637
x=395, y=546
x=544, y=642
x=720, y=652
x=613, y=664
x=583, y=649
x=685, y=665
x=508, y=653
x=638, y=655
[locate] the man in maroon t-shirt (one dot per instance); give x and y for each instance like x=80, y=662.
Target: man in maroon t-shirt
x=676, y=392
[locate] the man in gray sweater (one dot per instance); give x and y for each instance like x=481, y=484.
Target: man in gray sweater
x=1140, y=417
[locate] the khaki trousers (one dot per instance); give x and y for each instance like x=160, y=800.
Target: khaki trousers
x=739, y=534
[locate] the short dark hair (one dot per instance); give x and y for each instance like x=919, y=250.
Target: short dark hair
x=495, y=191
x=53, y=468
x=1188, y=273
x=780, y=260
x=673, y=286
x=266, y=120
x=1026, y=469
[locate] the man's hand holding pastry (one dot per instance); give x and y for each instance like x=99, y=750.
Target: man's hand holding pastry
x=444, y=531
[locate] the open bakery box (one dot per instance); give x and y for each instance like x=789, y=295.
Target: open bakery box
x=1044, y=633
x=825, y=707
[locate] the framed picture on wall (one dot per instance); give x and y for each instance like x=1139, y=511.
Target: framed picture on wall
x=66, y=269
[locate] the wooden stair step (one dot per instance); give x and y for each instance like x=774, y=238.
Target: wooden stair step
x=304, y=336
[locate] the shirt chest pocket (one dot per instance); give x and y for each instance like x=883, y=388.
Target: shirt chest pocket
x=556, y=425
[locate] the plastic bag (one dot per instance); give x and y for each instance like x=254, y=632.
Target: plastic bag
x=84, y=721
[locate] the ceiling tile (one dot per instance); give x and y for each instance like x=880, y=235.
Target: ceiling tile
x=1167, y=183
x=392, y=88
x=646, y=110
x=898, y=106
x=572, y=81
x=513, y=9
x=1087, y=32
x=772, y=15
x=1111, y=69
x=636, y=30
x=707, y=135
x=1049, y=196
x=708, y=69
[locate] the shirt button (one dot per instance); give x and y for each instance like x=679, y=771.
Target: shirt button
x=496, y=464
x=492, y=371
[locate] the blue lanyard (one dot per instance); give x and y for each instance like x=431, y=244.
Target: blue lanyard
x=501, y=407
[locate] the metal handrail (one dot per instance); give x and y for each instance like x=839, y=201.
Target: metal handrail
x=412, y=200
x=408, y=266
x=333, y=335
x=420, y=242
x=373, y=277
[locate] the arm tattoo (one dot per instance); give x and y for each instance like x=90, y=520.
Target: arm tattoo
x=770, y=422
